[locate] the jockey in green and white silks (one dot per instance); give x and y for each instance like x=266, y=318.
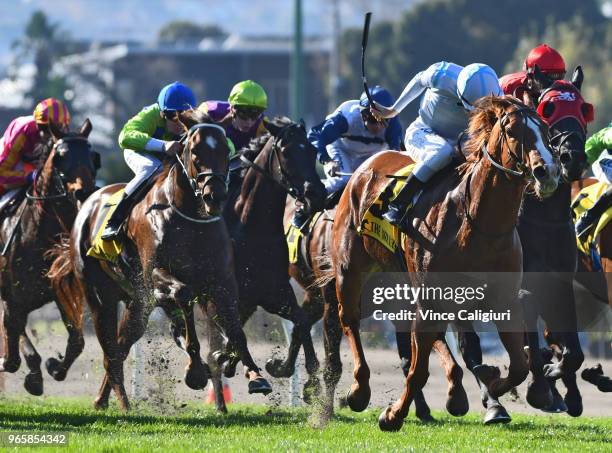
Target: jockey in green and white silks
x=145, y=139
x=448, y=90
x=598, y=149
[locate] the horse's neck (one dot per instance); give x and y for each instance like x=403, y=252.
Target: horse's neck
x=175, y=188
x=261, y=204
x=495, y=200
x=555, y=208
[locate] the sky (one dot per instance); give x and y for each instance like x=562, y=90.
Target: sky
x=141, y=19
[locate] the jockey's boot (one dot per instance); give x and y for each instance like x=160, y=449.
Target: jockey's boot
x=402, y=203
x=114, y=224
x=588, y=219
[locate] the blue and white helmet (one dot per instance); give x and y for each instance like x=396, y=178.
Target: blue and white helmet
x=477, y=80
x=379, y=95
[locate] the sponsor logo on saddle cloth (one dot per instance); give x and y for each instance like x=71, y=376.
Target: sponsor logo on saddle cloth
x=294, y=235
x=374, y=225
x=101, y=249
x=584, y=201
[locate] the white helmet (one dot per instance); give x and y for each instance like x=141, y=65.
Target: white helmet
x=475, y=81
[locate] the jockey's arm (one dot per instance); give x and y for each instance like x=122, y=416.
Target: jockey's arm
x=393, y=134
x=326, y=134
x=137, y=134
x=598, y=142
x=15, y=149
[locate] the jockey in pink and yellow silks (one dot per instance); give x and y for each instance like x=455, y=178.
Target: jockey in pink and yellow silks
x=17, y=146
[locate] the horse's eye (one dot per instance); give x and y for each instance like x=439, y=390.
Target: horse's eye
x=510, y=132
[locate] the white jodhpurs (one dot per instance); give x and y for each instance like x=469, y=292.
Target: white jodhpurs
x=143, y=165
x=602, y=167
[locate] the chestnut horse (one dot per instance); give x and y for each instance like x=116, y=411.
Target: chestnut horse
x=177, y=252
x=65, y=178
x=468, y=225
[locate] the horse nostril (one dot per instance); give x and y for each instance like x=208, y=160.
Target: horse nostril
x=539, y=172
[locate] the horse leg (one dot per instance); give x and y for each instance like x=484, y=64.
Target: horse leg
x=168, y=289
x=404, y=349
x=332, y=336
x=571, y=359
x=457, y=403
x=469, y=344
x=14, y=321
x=33, y=381
x=224, y=296
x=517, y=370
x=74, y=347
x=392, y=418
x=215, y=343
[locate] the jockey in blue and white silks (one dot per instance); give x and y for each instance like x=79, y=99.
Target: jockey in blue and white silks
x=448, y=90
x=351, y=134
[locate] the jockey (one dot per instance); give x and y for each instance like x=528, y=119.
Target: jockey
x=549, y=61
x=599, y=153
x=242, y=116
x=145, y=139
x=18, y=145
x=351, y=134
x=347, y=137
x=449, y=93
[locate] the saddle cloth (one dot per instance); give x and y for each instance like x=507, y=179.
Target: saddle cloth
x=101, y=249
x=584, y=201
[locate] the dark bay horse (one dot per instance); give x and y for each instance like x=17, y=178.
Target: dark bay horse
x=177, y=253
x=468, y=225
x=278, y=165
x=65, y=178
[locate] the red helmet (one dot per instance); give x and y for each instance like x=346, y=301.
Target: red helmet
x=548, y=60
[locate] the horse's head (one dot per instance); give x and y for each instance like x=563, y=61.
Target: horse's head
x=293, y=163
x=205, y=160
x=563, y=109
x=515, y=140
x=71, y=165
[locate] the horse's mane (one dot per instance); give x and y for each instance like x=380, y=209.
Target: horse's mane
x=256, y=144
x=482, y=119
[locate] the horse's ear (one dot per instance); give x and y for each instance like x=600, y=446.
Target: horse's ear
x=56, y=133
x=85, y=128
x=303, y=124
x=184, y=120
x=578, y=77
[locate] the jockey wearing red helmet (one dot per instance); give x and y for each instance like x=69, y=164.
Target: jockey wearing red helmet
x=549, y=61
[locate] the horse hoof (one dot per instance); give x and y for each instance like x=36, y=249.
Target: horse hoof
x=558, y=405
x=457, y=403
x=539, y=394
x=221, y=408
x=278, y=369
x=311, y=390
x=592, y=374
x=259, y=385
x=573, y=402
x=9, y=366
x=33, y=383
x=496, y=414
x=425, y=417
x=100, y=404
x=605, y=384
x=395, y=424
x=196, y=376
x=357, y=403
x=55, y=369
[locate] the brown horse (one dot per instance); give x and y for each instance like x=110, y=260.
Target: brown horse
x=65, y=178
x=177, y=252
x=466, y=225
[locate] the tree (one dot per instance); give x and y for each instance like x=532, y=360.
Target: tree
x=185, y=32
x=43, y=42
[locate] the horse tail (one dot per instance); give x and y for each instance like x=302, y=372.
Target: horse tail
x=64, y=281
x=326, y=270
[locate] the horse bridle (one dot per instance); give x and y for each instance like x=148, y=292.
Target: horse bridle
x=525, y=113
x=209, y=176
x=285, y=180
x=56, y=175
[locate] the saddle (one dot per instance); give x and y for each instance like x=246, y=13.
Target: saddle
x=583, y=202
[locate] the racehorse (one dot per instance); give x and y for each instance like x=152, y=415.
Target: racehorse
x=45, y=211
x=176, y=253
x=468, y=225
x=276, y=165
x=549, y=256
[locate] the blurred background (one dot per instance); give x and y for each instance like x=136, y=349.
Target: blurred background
x=108, y=59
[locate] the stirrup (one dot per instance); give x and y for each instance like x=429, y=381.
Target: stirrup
x=584, y=229
x=397, y=215
x=112, y=232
